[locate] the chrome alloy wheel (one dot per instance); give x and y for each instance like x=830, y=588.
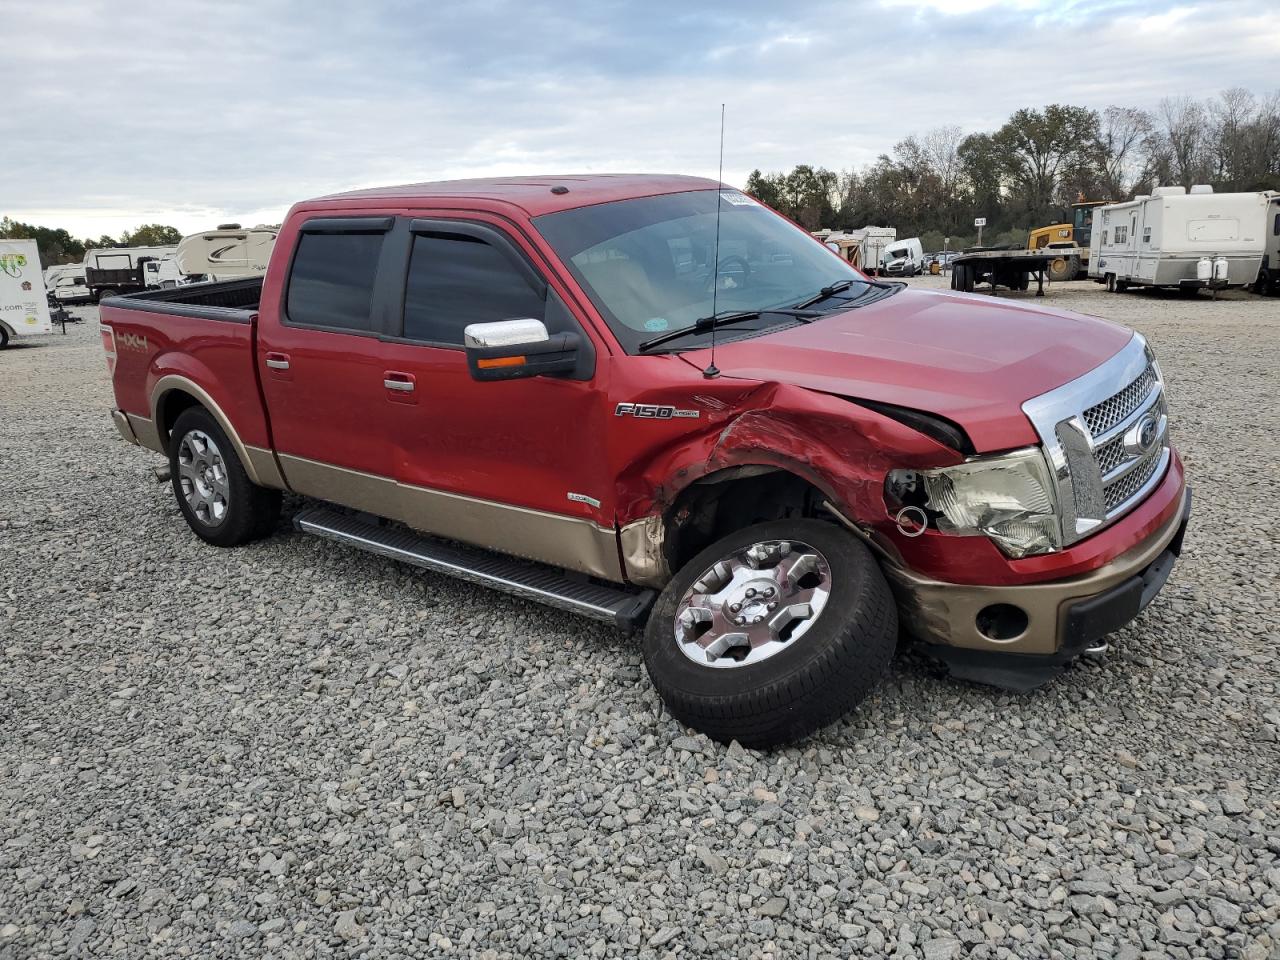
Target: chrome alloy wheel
x=202, y=474
x=753, y=604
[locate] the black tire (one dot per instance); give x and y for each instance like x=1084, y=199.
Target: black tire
x=4, y=338
x=1111, y=283
x=108, y=292
x=250, y=511
x=802, y=688
x=1121, y=286
x=1061, y=270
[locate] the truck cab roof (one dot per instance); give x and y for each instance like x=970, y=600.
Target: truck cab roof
x=533, y=195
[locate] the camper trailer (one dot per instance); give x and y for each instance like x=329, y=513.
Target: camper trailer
x=109, y=271
x=863, y=248
x=228, y=253
x=1173, y=238
x=64, y=284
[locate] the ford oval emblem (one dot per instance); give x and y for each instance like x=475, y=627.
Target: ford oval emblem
x=1142, y=436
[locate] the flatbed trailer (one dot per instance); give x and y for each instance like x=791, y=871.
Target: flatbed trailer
x=1006, y=268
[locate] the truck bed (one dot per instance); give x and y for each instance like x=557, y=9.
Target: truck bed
x=234, y=300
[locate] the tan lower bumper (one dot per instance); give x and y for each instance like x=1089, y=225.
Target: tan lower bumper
x=947, y=613
x=121, y=420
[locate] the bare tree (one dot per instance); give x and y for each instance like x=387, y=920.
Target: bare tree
x=941, y=150
x=1182, y=148
x=1123, y=164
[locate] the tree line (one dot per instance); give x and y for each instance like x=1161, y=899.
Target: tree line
x=56, y=245
x=1028, y=172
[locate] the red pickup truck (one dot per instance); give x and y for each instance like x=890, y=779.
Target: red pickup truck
x=654, y=401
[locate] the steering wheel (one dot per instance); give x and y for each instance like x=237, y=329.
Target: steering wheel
x=734, y=273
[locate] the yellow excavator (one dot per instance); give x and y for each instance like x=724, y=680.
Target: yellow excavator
x=1073, y=234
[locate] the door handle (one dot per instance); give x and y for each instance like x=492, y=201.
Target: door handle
x=400, y=382
x=278, y=361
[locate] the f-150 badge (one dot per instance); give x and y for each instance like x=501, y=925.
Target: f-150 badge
x=653, y=411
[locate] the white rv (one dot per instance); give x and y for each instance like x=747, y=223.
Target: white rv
x=903, y=258
x=227, y=253
x=863, y=248
x=1178, y=239
x=24, y=309
x=64, y=283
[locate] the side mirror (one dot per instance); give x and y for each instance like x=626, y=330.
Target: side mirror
x=515, y=349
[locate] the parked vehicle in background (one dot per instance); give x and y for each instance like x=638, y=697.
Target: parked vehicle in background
x=24, y=308
x=227, y=253
x=1074, y=264
x=1268, y=281
x=522, y=366
x=109, y=271
x=1173, y=238
x=70, y=288
x=864, y=248
x=903, y=258
x=64, y=284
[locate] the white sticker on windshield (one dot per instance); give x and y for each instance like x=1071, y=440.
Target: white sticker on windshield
x=736, y=198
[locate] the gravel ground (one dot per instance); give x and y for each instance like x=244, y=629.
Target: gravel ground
x=293, y=750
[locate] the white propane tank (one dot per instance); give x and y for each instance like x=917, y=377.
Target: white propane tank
x=1221, y=269
x=1204, y=270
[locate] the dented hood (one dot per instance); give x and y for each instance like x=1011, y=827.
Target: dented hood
x=971, y=359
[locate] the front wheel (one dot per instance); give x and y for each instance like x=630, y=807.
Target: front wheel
x=771, y=633
x=217, y=498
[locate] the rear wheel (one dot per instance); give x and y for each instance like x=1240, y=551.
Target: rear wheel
x=1061, y=269
x=771, y=633
x=4, y=338
x=217, y=498
x=1111, y=283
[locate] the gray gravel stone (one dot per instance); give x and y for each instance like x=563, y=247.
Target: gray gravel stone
x=333, y=756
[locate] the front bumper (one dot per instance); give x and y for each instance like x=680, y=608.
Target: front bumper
x=1062, y=617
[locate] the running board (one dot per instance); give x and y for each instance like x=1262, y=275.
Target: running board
x=624, y=608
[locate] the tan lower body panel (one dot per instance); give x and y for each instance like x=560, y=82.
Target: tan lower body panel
x=946, y=613
x=569, y=542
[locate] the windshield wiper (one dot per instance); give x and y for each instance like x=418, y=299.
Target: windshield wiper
x=833, y=289
x=703, y=324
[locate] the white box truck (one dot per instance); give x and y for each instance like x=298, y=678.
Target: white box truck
x=1173, y=238
x=23, y=308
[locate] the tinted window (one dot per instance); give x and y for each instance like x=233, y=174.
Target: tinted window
x=455, y=280
x=332, y=280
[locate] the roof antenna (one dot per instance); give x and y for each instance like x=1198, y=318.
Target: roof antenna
x=712, y=371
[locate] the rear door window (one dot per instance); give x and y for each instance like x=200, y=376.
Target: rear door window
x=331, y=283
x=455, y=280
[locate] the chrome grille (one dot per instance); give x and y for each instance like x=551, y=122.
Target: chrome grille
x=1110, y=455
x=1125, y=487
x=1093, y=437
x=1103, y=416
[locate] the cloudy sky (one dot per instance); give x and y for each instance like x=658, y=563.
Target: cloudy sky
x=195, y=113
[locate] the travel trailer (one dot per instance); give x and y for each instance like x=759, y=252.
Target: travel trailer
x=23, y=307
x=863, y=248
x=64, y=283
x=903, y=258
x=109, y=271
x=228, y=253
x=1173, y=238
x=70, y=288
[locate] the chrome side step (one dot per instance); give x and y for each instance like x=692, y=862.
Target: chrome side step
x=624, y=608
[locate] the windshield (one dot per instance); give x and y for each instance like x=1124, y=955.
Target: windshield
x=648, y=264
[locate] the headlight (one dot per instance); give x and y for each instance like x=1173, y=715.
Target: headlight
x=1008, y=498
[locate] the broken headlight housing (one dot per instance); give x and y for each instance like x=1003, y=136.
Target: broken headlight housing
x=1009, y=498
